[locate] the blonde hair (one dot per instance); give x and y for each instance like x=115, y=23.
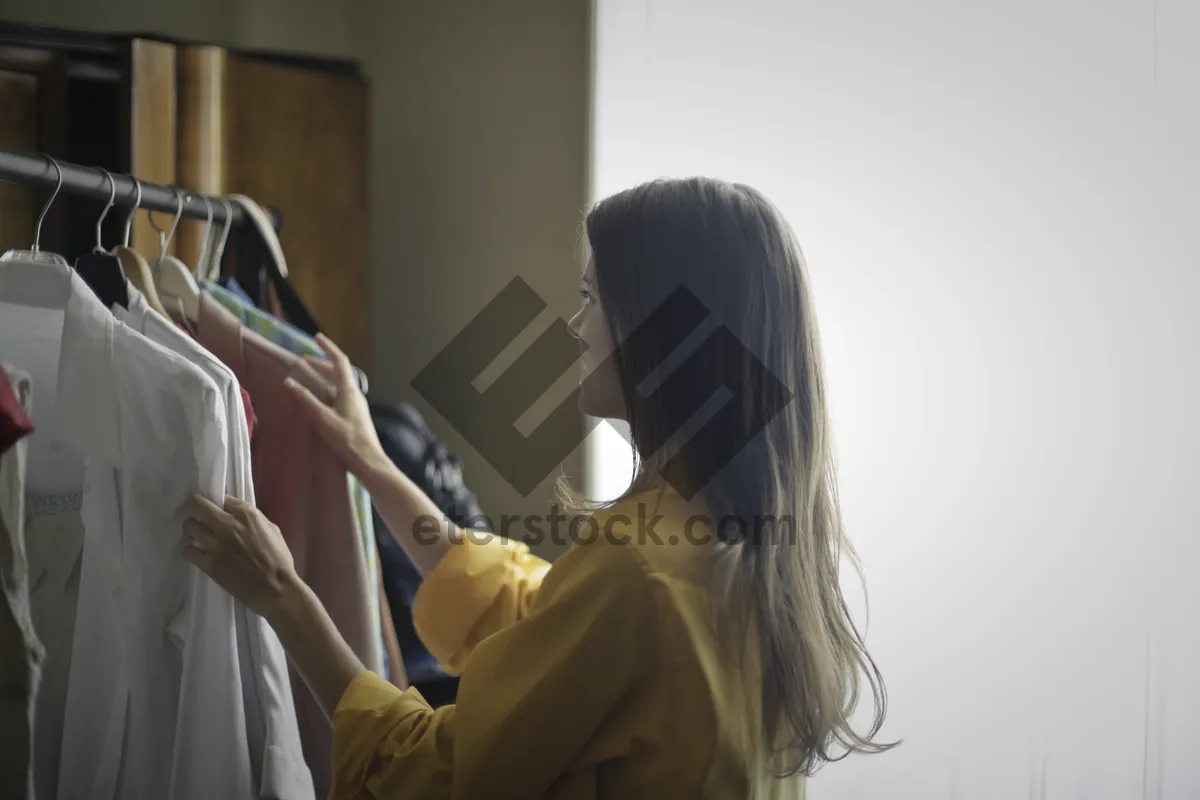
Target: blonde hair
x=668, y=253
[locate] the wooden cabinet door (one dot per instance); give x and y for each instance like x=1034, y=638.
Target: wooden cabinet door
x=33, y=119
x=295, y=139
x=149, y=140
x=18, y=131
x=291, y=134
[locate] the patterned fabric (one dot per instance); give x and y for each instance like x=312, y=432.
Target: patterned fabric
x=296, y=341
x=230, y=283
x=284, y=334
x=42, y=505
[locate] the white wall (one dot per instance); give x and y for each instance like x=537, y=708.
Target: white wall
x=998, y=202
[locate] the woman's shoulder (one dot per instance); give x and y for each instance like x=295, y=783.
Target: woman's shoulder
x=646, y=547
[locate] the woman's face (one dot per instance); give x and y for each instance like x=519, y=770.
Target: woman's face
x=600, y=394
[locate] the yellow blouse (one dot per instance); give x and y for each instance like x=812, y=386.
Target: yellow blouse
x=595, y=678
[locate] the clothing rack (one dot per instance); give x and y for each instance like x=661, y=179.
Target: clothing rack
x=31, y=169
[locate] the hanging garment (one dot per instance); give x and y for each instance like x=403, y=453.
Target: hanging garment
x=282, y=333
x=248, y=409
x=54, y=536
x=298, y=343
x=271, y=262
x=413, y=448
x=247, y=403
x=393, y=659
x=141, y=694
x=230, y=283
x=21, y=653
x=273, y=736
x=14, y=410
x=301, y=486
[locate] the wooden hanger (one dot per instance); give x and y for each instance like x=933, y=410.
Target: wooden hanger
x=175, y=282
x=135, y=267
x=138, y=273
x=212, y=270
x=293, y=308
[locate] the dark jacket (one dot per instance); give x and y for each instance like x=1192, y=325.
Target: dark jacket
x=412, y=447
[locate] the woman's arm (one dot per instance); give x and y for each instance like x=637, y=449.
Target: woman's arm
x=425, y=533
x=316, y=648
x=530, y=702
x=344, y=422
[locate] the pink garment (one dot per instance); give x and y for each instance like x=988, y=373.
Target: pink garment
x=303, y=488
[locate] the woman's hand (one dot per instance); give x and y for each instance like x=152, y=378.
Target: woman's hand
x=242, y=551
x=345, y=424
x=246, y=555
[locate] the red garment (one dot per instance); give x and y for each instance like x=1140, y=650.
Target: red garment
x=249, y=406
x=14, y=422
x=250, y=418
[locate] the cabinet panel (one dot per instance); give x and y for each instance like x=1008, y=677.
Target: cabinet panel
x=289, y=132
x=151, y=120
x=200, y=153
x=18, y=131
x=296, y=139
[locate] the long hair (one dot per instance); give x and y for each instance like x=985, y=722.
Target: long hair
x=715, y=264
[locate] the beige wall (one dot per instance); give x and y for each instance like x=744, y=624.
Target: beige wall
x=481, y=166
x=480, y=156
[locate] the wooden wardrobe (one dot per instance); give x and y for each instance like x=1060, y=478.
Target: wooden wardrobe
x=290, y=132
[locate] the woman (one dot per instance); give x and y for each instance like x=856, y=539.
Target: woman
x=706, y=653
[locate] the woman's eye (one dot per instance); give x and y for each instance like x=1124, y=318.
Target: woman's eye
x=585, y=294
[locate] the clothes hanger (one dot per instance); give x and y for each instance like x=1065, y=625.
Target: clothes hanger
x=136, y=268
x=34, y=277
x=202, y=260
x=174, y=280
x=102, y=270
x=294, y=310
x=214, y=270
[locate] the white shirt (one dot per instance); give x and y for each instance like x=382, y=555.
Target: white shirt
x=276, y=756
x=154, y=702
x=21, y=653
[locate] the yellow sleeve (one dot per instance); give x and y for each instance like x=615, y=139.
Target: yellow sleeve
x=479, y=587
x=531, y=698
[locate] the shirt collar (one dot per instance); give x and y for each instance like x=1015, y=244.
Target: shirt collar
x=134, y=315
x=87, y=403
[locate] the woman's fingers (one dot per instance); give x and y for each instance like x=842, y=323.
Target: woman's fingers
x=208, y=512
x=201, y=558
x=329, y=347
x=323, y=367
x=341, y=363
x=201, y=533
x=312, y=406
x=200, y=544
